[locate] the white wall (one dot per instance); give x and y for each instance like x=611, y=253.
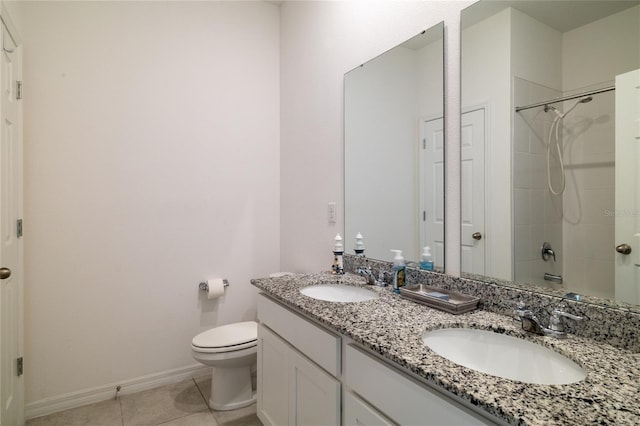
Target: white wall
x=320, y=42
x=152, y=163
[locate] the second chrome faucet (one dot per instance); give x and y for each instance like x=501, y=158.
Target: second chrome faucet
x=532, y=324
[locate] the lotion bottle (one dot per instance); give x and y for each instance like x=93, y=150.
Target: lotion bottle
x=426, y=261
x=399, y=271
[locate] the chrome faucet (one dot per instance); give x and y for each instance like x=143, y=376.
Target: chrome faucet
x=371, y=279
x=531, y=324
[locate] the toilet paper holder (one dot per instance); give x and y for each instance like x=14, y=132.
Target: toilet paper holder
x=204, y=286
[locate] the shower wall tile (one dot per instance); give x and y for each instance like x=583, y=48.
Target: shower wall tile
x=522, y=206
x=598, y=277
x=599, y=243
x=522, y=235
x=596, y=204
x=601, y=177
x=520, y=135
x=536, y=202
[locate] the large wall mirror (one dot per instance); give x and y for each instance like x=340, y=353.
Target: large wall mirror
x=394, y=150
x=550, y=145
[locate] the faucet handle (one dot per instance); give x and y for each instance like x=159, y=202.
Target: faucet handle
x=556, y=322
x=561, y=313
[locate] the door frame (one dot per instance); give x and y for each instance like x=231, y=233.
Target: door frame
x=9, y=29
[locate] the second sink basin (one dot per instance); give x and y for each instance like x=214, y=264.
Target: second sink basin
x=503, y=356
x=338, y=293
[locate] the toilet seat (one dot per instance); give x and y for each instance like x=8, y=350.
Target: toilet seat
x=227, y=338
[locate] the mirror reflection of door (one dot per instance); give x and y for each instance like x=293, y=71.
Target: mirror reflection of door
x=627, y=211
x=472, y=141
x=432, y=188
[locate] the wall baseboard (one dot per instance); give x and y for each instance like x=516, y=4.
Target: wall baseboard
x=76, y=399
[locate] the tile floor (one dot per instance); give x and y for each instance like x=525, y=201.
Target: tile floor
x=178, y=404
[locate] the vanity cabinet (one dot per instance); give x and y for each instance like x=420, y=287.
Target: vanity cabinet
x=308, y=375
x=398, y=397
x=293, y=388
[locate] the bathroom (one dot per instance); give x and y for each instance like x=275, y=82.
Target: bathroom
x=166, y=143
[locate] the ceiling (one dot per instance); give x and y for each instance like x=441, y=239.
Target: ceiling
x=562, y=15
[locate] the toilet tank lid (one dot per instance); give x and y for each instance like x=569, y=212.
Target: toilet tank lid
x=234, y=334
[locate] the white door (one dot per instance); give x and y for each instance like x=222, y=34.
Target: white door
x=472, y=206
x=11, y=380
x=432, y=189
x=627, y=212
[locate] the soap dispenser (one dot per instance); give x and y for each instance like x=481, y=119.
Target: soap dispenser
x=399, y=271
x=426, y=261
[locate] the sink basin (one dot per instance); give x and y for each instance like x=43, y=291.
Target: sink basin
x=339, y=293
x=503, y=356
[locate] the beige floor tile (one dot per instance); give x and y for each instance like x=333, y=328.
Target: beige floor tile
x=204, y=418
x=162, y=404
x=204, y=384
x=105, y=413
x=241, y=417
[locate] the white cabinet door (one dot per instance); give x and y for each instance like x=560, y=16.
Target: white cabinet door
x=359, y=413
x=273, y=378
x=315, y=395
x=292, y=390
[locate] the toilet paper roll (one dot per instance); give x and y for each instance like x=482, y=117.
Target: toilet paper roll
x=216, y=288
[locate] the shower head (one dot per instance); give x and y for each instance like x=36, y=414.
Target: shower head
x=555, y=110
x=560, y=114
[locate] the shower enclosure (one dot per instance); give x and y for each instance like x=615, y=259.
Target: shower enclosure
x=563, y=185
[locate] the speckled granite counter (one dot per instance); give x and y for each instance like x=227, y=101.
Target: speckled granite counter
x=393, y=327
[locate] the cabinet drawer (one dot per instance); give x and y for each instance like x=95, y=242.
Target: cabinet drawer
x=321, y=346
x=359, y=413
x=400, y=397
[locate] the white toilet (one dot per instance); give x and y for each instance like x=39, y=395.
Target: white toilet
x=231, y=351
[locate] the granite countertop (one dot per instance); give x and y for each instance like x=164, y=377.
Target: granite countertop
x=393, y=327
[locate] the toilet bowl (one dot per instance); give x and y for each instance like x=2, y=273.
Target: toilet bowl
x=231, y=350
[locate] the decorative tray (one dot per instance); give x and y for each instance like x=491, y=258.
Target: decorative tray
x=437, y=298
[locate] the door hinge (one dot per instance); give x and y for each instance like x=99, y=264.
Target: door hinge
x=19, y=228
x=18, y=89
x=20, y=365
x=424, y=143
x=424, y=215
